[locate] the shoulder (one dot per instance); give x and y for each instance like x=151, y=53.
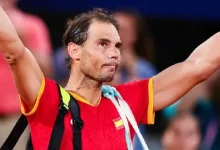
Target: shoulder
x=50, y=89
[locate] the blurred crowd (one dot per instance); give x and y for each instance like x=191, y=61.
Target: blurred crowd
x=193, y=123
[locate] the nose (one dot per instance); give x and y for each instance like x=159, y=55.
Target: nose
x=114, y=53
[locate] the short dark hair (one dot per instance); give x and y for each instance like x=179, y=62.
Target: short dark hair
x=77, y=28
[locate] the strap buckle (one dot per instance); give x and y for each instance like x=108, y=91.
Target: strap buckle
x=63, y=108
x=78, y=123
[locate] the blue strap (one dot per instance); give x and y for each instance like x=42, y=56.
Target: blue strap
x=106, y=89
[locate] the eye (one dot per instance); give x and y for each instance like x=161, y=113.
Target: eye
x=103, y=44
x=118, y=46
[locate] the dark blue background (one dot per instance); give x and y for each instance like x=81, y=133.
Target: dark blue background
x=196, y=9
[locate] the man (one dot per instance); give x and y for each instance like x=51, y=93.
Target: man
x=93, y=45
x=183, y=133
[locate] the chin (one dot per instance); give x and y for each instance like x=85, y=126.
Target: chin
x=106, y=78
x=109, y=80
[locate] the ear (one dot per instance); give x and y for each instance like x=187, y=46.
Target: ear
x=74, y=51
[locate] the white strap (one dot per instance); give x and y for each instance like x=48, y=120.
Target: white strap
x=131, y=118
x=125, y=113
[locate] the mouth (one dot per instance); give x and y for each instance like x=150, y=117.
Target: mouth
x=111, y=65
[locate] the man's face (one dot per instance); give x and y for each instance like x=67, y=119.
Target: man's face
x=183, y=134
x=100, y=55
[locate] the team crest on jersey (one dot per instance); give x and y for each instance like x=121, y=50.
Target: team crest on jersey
x=118, y=123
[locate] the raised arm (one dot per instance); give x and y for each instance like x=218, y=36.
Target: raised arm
x=175, y=81
x=26, y=72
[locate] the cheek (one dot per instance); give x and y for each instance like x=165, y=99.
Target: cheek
x=90, y=61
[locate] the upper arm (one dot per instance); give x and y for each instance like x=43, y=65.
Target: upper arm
x=174, y=82
x=27, y=77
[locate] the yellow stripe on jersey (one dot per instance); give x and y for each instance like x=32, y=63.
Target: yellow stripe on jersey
x=31, y=112
x=150, y=110
x=79, y=98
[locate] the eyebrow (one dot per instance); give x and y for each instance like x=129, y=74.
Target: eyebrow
x=104, y=40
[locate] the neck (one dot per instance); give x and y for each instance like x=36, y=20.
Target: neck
x=85, y=87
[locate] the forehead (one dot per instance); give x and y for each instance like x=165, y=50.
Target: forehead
x=100, y=29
